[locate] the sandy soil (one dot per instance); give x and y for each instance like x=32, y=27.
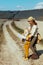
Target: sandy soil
x=11, y=53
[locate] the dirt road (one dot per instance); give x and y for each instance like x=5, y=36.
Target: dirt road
x=11, y=53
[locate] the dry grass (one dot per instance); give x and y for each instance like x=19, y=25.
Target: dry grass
x=2, y=38
x=17, y=28
x=1, y=30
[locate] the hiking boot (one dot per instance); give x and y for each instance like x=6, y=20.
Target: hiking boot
x=34, y=56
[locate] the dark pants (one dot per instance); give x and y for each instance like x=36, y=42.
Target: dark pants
x=33, y=44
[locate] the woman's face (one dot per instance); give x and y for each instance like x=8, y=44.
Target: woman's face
x=31, y=22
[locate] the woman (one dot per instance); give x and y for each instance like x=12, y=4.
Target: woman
x=33, y=36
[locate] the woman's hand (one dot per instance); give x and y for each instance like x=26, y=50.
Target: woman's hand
x=28, y=37
x=23, y=40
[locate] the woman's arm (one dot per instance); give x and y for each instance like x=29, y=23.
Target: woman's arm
x=34, y=30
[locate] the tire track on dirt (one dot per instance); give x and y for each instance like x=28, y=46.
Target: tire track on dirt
x=13, y=47
x=14, y=37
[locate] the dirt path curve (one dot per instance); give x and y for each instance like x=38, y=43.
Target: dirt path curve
x=11, y=54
